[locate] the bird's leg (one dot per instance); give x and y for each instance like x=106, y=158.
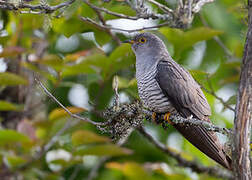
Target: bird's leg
x=153, y=116
x=156, y=117
x=166, y=117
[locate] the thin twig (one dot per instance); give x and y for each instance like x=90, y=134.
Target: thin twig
x=161, y=6
x=114, y=37
x=118, y=29
x=115, y=87
x=212, y=92
x=62, y=106
x=213, y=171
x=217, y=39
x=144, y=15
x=44, y=8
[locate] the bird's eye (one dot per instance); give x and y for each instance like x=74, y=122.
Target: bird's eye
x=142, y=40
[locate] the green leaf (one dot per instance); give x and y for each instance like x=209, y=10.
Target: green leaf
x=86, y=137
x=103, y=150
x=90, y=65
x=38, y=70
x=122, y=9
x=61, y=113
x=232, y=100
x=14, y=161
x=7, y=106
x=68, y=27
x=131, y=169
x=101, y=37
x=182, y=40
x=125, y=83
x=53, y=61
x=121, y=58
x=11, y=79
x=11, y=136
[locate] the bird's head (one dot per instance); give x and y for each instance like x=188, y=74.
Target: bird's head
x=146, y=43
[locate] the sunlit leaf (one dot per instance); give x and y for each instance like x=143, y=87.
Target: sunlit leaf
x=60, y=112
x=182, y=154
x=130, y=169
x=103, y=150
x=11, y=79
x=75, y=56
x=232, y=100
x=7, y=106
x=89, y=65
x=86, y=137
x=53, y=61
x=10, y=136
x=14, y=161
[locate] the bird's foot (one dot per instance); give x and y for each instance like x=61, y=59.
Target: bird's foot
x=153, y=116
x=166, y=118
x=156, y=118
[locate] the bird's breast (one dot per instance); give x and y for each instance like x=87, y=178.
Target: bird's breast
x=150, y=93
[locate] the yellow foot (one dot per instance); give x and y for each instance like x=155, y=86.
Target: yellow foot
x=153, y=116
x=166, y=118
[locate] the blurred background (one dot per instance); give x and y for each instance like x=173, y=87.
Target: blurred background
x=77, y=61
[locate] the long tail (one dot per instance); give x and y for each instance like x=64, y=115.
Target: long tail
x=205, y=141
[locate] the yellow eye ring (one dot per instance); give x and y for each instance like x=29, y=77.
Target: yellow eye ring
x=142, y=40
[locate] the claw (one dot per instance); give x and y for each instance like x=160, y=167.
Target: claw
x=153, y=116
x=166, y=118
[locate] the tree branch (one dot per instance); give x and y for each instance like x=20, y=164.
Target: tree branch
x=88, y=20
x=213, y=171
x=177, y=119
x=42, y=8
x=114, y=37
x=243, y=113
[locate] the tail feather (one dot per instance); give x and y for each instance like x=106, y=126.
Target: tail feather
x=205, y=141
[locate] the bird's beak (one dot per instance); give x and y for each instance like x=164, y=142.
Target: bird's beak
x=129, y=41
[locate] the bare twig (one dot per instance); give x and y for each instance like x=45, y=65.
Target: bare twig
x=217, y=39
x=62, y=106
x=212, y=92
x=43, y=8
x=115, y=87
x=213, y=171
x=219, y=98
x=118, y=29
x=161, y=6
x=197, y=6
x=114, y=37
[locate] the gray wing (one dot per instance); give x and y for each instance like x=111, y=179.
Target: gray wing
x=182, y=90
x=188, y=99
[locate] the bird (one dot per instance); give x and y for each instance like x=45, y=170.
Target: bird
x=165, y=87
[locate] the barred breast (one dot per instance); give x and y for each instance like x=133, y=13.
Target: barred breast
x=151, y=94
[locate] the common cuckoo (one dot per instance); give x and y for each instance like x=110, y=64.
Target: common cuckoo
x=166, y=87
